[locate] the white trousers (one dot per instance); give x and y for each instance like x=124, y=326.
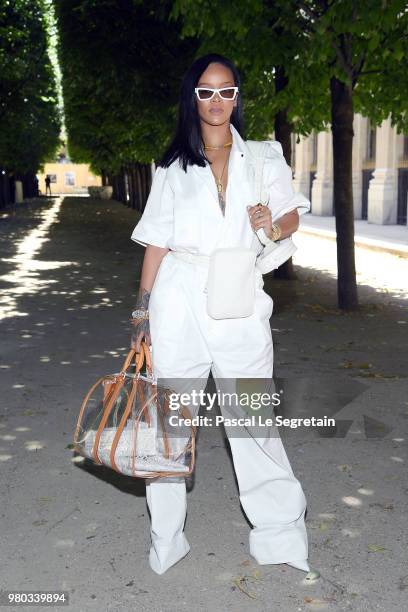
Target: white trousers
x=186, y=343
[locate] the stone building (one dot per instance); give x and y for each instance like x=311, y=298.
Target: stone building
x=68, y=178
x=380, y=172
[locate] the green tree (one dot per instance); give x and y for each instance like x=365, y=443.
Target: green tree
x=121, y=66
x=29, y=115
x=323, y=60
x=251, y=33
x=358, y=48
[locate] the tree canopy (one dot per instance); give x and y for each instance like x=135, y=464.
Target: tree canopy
x=315, y=62
x=122, y=63
x=306, y=65
x=361, y=42
x=29, y=114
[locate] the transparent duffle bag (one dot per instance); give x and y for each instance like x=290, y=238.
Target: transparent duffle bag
x=126, y=423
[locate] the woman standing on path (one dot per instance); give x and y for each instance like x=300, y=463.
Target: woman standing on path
x=199, y=201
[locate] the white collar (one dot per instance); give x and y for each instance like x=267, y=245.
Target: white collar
x=238, y=143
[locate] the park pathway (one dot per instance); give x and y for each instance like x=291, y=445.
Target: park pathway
x=68, y=282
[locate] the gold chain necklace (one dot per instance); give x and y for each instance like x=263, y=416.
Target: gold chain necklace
x=224, y=146
x=219, y=184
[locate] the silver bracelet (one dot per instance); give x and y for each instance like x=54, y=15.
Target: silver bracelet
x=140, y=314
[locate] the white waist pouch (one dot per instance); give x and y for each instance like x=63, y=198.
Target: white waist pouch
x=231, y=283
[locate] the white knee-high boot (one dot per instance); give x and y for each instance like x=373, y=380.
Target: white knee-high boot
x=166, y=500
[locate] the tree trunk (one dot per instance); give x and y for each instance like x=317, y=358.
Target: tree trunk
x=146, y=182
x=283, y=132
x=138, y=178
x=125, y=200
x=139, y=187
x=342, y=135
x=132, y=186
x=113, y=181
x=126, y=183
x=143, y=176
x=119, y=186
x=122, y=186
x=6, y=188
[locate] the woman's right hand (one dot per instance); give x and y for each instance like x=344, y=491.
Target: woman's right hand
x=141, y=331
x=141, y=326
x=151, y=263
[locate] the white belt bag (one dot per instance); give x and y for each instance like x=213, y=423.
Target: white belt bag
x=231, y=281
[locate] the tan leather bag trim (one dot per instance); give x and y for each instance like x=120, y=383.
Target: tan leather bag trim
x=144, y=354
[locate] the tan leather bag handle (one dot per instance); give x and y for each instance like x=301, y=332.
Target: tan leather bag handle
x=114, y=391
x=139, y=360
x=123, y=420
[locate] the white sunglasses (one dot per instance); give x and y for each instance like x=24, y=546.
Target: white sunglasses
x=207, y=93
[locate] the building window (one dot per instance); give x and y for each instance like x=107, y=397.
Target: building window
x=70, y=178
x=53, y=178
x=371, y=141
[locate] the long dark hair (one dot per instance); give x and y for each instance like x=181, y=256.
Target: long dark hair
x=187, y=142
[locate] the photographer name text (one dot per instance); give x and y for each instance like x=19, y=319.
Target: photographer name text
x=254, y=420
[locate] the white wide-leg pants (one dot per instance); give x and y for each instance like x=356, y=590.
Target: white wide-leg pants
x=188, y=344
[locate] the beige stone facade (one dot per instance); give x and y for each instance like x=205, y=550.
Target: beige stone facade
x=380, y=172
x=68, y=178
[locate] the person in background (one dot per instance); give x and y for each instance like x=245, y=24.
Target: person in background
x=47, y=185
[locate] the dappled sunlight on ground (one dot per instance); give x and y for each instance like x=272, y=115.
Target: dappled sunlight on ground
x=24, y=275
x=382, y=271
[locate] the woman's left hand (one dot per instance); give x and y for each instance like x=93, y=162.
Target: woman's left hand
x=260, y=216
